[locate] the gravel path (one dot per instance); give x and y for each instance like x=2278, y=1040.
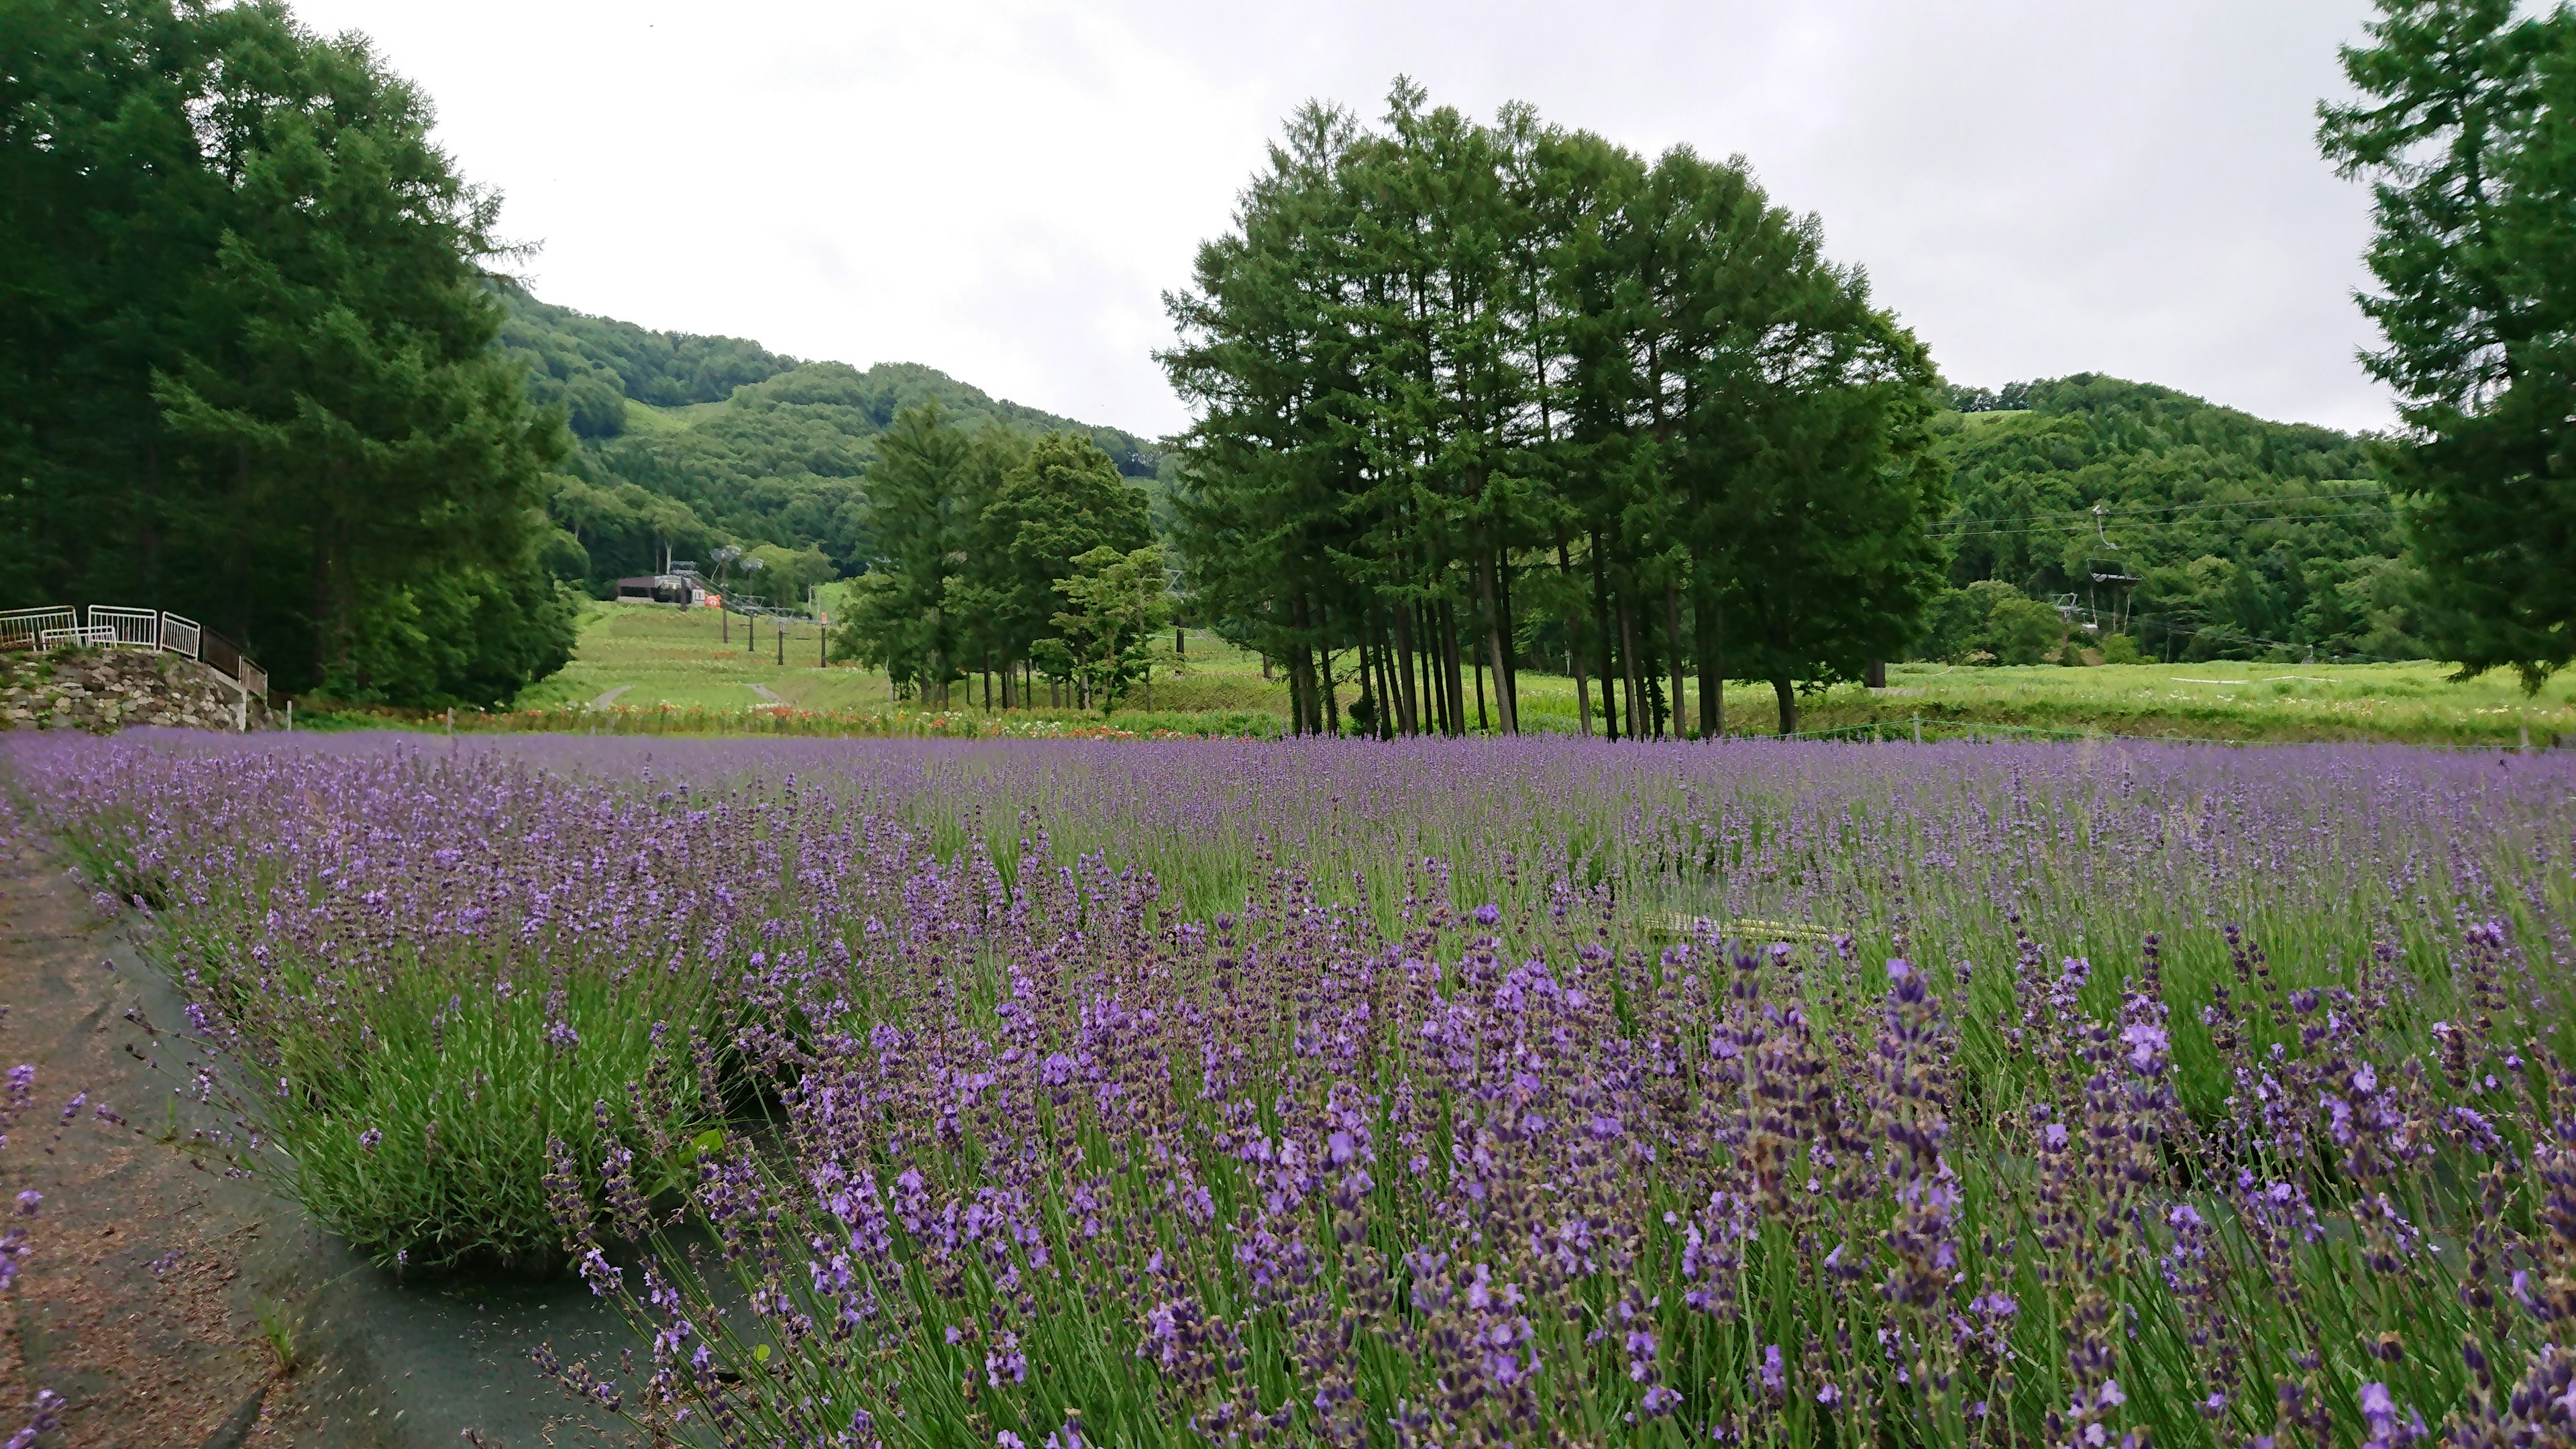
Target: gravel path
x=610, y=697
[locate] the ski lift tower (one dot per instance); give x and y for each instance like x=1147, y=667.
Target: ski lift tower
x=2109, y=571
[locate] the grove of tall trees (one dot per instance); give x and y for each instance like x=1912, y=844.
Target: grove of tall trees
x=1471, y=394
x=247, y=369
x=983, y=542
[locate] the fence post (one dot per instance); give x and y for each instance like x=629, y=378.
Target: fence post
x=1918, y=729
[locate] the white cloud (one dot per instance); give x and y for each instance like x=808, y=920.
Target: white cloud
x=1002, y=189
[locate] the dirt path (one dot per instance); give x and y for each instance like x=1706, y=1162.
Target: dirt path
x=159, y=1291
x=609, y=697
x=133, y=1306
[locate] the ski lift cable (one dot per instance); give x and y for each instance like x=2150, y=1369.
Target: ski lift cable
x=2335, y=492
x=2169, y=624
x=1964, y=529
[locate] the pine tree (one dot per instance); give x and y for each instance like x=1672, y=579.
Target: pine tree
x=246, y=361
x=2467, y=131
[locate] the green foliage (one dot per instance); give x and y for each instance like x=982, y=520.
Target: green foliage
x=430, y=1149
x=924, y=488
x=770, y=451
x=1440, y=362
x=978, y=536
x=245, y=355
x=1991, y=622
x=1063, y=501
x=2467, y=131
x=1114, y=606
x=786, y=575
x=564, y=349
x=2251, y=539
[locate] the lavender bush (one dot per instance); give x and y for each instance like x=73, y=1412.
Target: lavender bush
x=1439, y=1094
x=417, y=970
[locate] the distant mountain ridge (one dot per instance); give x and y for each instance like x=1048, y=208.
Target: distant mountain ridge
x=687, y=441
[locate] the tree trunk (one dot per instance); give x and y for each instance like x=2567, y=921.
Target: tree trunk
x=1712, y=665
x=1673, y=653
x=1383, y=725
x=1491, y=598
x=1509, y=686
x=1483, y=726
x=1788, y=693
x=1639, y=724
x=1455, y=667
x=1331, y=724
x=1601, y=632
x=1435, y=647
x=1410, y=714
x=1573, y=639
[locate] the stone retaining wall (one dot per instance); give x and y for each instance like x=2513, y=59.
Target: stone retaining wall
x=104, y=690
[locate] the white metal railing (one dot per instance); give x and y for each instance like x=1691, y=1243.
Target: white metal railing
x=118, y=628
x=113, y=627
x=26, y=628
x=102, y=637
x=179, y=635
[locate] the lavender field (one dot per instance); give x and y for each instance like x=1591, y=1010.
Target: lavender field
x=1516, y=1092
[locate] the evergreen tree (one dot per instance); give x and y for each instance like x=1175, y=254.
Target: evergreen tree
x=899, y=616
x=2467, y=130
x=246, y=364
x=1439, y=363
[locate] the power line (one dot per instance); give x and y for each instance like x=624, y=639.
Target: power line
x=2166, y=622
x=2325, y=495
x=1960, y=530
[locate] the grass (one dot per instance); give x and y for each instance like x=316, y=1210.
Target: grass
x=277, y=1326
x=674, y=671
x=646, y=418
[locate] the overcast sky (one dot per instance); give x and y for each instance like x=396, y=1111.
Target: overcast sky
x=1004, y=190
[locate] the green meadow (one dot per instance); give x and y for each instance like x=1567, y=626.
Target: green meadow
x=639, y=660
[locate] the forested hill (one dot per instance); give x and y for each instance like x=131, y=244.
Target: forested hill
x=2250, y=536
x=694, y=441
